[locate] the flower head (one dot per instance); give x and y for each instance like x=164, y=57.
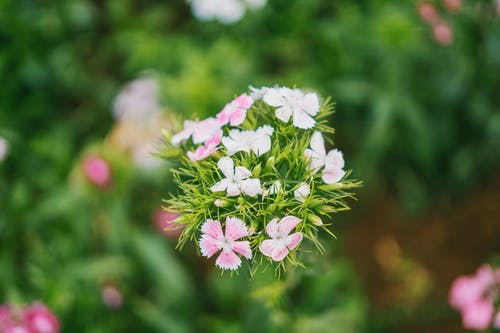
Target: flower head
x=237, y=180
x=164, y=222
x=258, y=141
x=206, y=149
x=214, y=240
x=281, y=241
x=39, y=319
x=293, y=102
x=235, y=112
x=199, y=130
x=333, y=161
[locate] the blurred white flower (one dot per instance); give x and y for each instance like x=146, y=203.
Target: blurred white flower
x=302, y=192
x=225, y=11
x=4, y=149
x=137, y=100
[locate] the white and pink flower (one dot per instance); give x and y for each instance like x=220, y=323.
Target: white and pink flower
x=237, y=180
x=235, y=112
x=281, y=242
x=258, y=141
x=293, y=102
x=199, y=130
x=207, y=149
x=318, y=158
x=214, y=240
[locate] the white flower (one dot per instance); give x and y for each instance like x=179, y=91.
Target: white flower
x=258, y=141
x=258, y=93
x=333, y=161
x=137, y=100
x=302, y=192
x=4, y=148
x=293, y=102
x=237, y=180
x=226, y=11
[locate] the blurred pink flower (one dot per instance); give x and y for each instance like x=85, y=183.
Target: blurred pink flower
x=442, y=33
x=111, y=296
x=97, y=170
x=496, y=322
x=39, y=319
x=281, y=241
x=474, y=296
x=17, y=329
x=214, y=240
x=165, y=223
x=235, y=112
x=6, y=318
x=453, y=5
x=427, y=12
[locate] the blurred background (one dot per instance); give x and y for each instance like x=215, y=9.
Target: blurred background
x=87, y=86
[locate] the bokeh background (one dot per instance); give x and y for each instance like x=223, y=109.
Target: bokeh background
x=417, y=95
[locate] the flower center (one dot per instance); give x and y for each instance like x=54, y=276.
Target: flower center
x=225, y=243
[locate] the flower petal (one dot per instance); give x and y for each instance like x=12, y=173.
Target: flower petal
x=310, y=104
x=261, y=145
x=272, y=228
x=302, y=120
x=241, y=173
x=274, y=96
x=233, y=190
x=302, y=192
x=315, y=160
x=236, y=228
x=221, y=186
x=228, y=260
x=226, y=165
x=335, y=158
x=243, y=248
x=267, y=247
x=318, y=143
x=283, y=113
x=332, y=175
x=251, y=187
x=204, y=130
x=287, y=224
x=243, y=101
x=293, y=240
x=237, y=117
x=208, y=246
x=280, y=252
x=212, y=228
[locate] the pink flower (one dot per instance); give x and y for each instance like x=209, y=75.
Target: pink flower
x=207, y=149
x=427, y=12
x=165, y=223
x=477, y=315
x=6, y=318
x=97, y=171
x=468, y=289
x=200, y=131
x=213, y=241
x=39, y=319
x=18, y=329
x=281, y=241
x=442, y=33
x=453, y=5
x=235, y=112
x=111, y=296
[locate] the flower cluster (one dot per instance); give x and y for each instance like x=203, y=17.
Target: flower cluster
x=256, y=180
x=475, y=297
x=36, y=318
x=224, y=11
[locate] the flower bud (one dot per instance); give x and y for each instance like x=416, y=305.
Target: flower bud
x=164, y=222
x=442, y=34
x=220, y=203
x=427, y=12
x=256, y=171
x=111, y=296
x=316, y=220
x=97, y=170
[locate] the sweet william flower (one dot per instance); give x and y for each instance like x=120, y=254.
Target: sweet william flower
x=214, y=240
x=237, y=180
x=235, y=112
x=164, y=222
x=293, y=102
x=333, y=161
x=206, y=149
x=302, y=192
x=111, y=296
x=281, y=242
x=199, y=130
x=258, y=141
x=39, y=319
